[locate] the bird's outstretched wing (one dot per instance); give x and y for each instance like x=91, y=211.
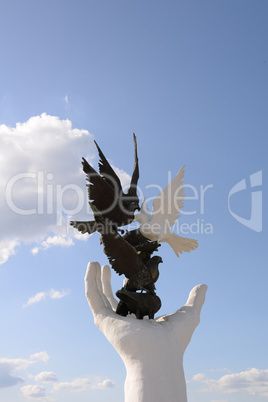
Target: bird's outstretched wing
x=107, y=171
x=180, y=244
x=168, y=203
x=122, y=256
x=100, y=193
x=132, y=191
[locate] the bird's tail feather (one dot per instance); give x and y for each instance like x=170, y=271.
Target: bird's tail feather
x=181, y=244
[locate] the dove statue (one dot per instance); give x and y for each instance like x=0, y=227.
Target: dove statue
x=156, y=226
x=106, y=194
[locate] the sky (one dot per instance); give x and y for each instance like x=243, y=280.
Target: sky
x=190, y=79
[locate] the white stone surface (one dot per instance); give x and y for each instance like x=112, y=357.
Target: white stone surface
x=152, y=350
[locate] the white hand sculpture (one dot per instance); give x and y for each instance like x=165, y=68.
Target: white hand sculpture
x=152, y=350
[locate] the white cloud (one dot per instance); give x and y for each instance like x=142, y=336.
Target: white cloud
x=219, y=400
x=124, y=177
x=51, y=294
x=66, y=101
x=82, y=385
x=7, y=248
x=35, y=250
x=36, y=299
x=57, y=294
x=46, y=376
x=103, y=385
x=77, y=385
x=33, y=391
x=43, y=182
x=53, y=241
x=57, y=241
x=8, y=380
x=81, y=236
x=40, y=356
x=219, y=370
x=9, y=368
x=199, y=377
x=253, y=382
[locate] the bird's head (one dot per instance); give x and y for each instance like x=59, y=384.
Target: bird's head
x=156, y=259
x=134, y=205
x=152, y=264
x=130, y=204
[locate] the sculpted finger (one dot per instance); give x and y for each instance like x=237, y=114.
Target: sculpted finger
x=93, y=288
x=107, y=287
x=187, y=318
x=100, y=287
x=195, y=300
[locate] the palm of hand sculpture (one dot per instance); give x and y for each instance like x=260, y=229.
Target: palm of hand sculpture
x=152, y=350
x=156, y=226
x=106, y=195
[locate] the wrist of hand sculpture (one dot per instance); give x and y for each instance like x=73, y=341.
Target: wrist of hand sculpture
x=152, y=350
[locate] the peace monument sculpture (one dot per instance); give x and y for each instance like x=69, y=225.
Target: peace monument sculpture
x=151, y=349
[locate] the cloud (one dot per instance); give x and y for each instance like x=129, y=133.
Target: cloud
x=219, y=370
x=57, y=294
x=36, y=299
x=103, y=385
x=46, y=376
x=43, y=182
x=7, y=378
x=33, y=391
x=9, y=367
x=124, y=177
x=66, y=101
x=82, y=385
x=53, y=241
x=51, y=294
x=77, y=385
x=40, y=356
x=219, y=400
x=252, y=382
x=7, y=248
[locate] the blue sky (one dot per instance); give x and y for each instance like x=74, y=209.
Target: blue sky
x=190, y=79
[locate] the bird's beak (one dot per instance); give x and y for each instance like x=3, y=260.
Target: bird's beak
x=135, y=206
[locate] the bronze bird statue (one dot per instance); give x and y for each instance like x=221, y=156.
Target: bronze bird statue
x=105, y=193
x=144, y=247
x=125, y=259
x=141, y=272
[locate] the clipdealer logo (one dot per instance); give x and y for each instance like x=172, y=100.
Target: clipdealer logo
x=46, y=197
x=39, y=193
x=255, y=220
